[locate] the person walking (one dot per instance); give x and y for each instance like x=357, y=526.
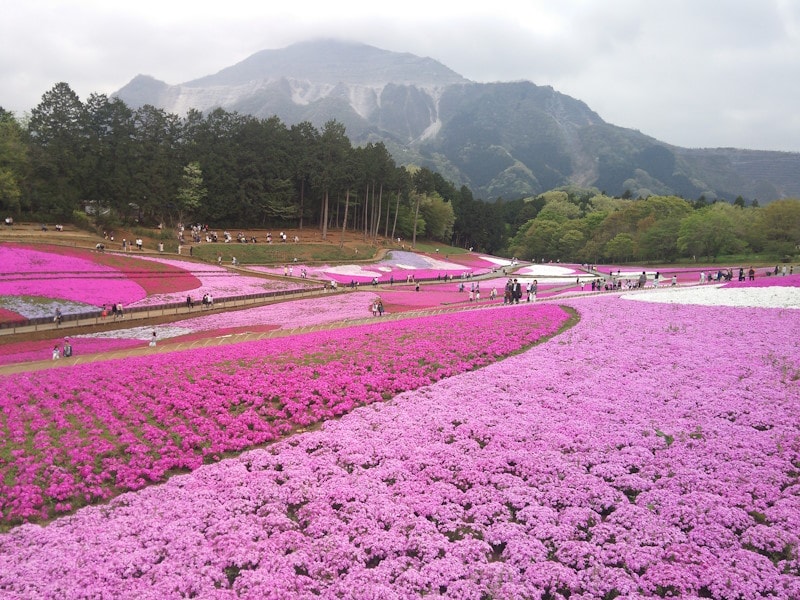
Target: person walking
x=516, y=291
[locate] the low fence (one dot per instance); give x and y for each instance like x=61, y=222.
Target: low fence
x=85, y=319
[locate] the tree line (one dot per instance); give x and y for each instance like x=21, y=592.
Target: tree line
x=581, y=225
x=224, y=169
x=120, y=165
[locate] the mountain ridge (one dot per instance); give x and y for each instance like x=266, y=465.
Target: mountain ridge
x=502, y=139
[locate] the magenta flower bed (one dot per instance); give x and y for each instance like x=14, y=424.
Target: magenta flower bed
x=289, y=315
x=400, y=298
x=651, y=451
x=762, y=280
x=214, y=280
x=50, y=275
x=84, y=433
x=478, y=262
x=8, y=316
x=68, y=275
x=22, y=352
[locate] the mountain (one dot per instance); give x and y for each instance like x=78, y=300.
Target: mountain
x=505, y=140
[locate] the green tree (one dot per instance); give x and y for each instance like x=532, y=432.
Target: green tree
x=56, y=144
x=157, y=164
x=660, y=242
x=191, y=193
x=334, y=147
x=438, y=216
x=13, y=163
x=572, y=240
x=708, y=232
x=378, y=170
x=304, y=162
x=424, y=184
x=558, y=207
x=538, y=240
x=106, y=164
x=781, y=221
x=621, y=247
x=214, y=142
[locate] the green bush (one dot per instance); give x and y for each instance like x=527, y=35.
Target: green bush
x=81, y=220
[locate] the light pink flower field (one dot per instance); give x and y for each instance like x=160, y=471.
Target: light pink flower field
x=651, y=451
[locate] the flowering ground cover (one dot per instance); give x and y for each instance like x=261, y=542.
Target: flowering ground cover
x=479, y=262
x=84, y=433
x=651, y=451
x=397, y=265
x=402, y=298
x=763, y=281
x=75, y=281
x=217, y=281
x=21, y=352
x=155, y=276
x=10, y=316
x=283, y=315
x=70, y=275
x=55, y=262
x=296, y=314
x=399, y=298
x=774, y=296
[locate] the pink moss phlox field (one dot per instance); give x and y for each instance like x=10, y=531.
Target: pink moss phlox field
x=651, y=451
x=283, y=315
x=153, y=276
x=289, y=315
x=64, y=276
x=79, y=434
x=22, y=352
x=217, y=281
x=8, y=316
x=762, y=280
x=478, y=262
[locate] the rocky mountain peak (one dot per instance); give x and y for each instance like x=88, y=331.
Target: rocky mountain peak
x=333, y=62
x=500, y=139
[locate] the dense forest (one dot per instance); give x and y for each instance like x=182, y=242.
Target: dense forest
x=73, y=161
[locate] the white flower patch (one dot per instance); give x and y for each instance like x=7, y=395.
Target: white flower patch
x=503, y=262
x=546, y=271
x=352, y=270
x=140, y=333
x=712, y=295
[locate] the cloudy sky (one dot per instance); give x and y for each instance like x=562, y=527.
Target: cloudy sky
x=694, y=73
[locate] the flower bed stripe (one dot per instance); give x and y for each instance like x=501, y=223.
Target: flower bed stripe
x=82, y=434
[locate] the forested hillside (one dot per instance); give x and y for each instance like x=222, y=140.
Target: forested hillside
x=99, y=162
